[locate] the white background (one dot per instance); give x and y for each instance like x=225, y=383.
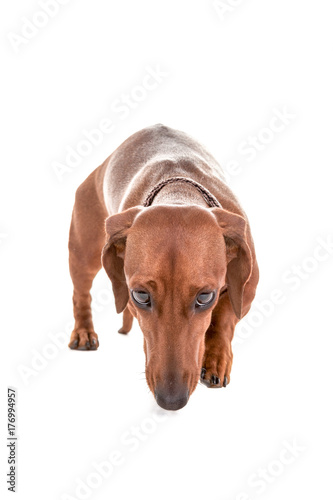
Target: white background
x=225, y=76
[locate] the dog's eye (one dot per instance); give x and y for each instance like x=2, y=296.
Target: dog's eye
x=204, y=299
x=140, y=297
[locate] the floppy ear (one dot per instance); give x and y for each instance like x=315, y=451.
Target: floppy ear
x=117, y=227
x=239, y=258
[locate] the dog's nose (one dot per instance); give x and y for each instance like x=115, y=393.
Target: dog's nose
x=171, y=398
x=168, y=402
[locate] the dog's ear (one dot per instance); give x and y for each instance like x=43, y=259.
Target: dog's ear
x=239, y=258
x=117, y=227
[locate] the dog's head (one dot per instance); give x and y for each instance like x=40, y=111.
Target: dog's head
x=168, y=263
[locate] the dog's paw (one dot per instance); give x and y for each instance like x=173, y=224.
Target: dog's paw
x=83, y=340
x=123, y=330
x=213, y=380
x=216, y=369
x=127, y=321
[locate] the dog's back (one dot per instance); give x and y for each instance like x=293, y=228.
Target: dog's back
x=151, y=155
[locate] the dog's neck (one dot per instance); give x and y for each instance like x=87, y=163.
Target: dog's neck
x=179, y=194
x=181, y=191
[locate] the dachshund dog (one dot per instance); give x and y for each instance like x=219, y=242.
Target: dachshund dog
x=177, y=247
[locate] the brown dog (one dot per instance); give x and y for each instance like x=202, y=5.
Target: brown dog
x=178, y=251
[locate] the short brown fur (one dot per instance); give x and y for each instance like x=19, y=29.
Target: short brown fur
x=173, y=250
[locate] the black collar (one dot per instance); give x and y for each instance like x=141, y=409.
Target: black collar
x=207, y=195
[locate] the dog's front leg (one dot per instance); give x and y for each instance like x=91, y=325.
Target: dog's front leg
x=217, y=359
x=86, y=240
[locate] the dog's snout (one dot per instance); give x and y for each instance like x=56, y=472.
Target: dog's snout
x=171, y=396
